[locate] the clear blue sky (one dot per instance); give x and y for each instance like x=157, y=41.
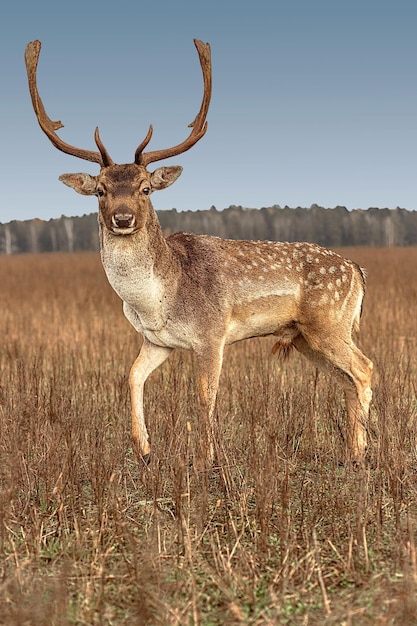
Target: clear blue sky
x=313, y=101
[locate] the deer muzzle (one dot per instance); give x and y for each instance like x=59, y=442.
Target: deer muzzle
x=123, y=220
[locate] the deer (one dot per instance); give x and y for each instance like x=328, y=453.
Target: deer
x=201, y=293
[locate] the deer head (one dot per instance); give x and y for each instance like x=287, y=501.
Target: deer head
x=123, y=190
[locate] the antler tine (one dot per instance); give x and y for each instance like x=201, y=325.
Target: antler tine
x=143, y=145
x=106, y=160
x=47, y=125
x=199, y=126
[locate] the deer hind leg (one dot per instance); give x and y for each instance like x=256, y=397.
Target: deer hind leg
x=358, y=400
x=354, y=371
x=150, y=357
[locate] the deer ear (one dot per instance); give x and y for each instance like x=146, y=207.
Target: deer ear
x=165, y=176
x=82, y=183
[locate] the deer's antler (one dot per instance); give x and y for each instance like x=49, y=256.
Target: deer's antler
x=199, y=126
x=48, y=126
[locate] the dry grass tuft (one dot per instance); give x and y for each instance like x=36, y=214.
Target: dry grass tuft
x=279, y=532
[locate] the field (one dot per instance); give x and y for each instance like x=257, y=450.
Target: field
x=280, y=531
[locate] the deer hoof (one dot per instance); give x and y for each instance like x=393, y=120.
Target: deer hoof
x=146, y=458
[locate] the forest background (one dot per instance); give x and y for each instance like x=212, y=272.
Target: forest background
x=328, y=227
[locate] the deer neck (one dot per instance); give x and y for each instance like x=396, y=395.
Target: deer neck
x=138, y=266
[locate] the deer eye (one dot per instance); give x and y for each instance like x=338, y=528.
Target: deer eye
x=146, y=191
x=100, y=192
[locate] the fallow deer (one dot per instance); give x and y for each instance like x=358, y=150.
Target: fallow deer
x=201, y=293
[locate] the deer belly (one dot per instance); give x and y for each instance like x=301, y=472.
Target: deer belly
x=260, y=317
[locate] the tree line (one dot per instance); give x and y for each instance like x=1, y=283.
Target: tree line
x=335, y=227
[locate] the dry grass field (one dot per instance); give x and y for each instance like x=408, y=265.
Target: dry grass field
x=281, y=531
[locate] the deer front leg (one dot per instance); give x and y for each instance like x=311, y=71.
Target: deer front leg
x=210, y=365
x=150, y=357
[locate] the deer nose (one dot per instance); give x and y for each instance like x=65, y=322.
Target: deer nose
x=123, y=219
